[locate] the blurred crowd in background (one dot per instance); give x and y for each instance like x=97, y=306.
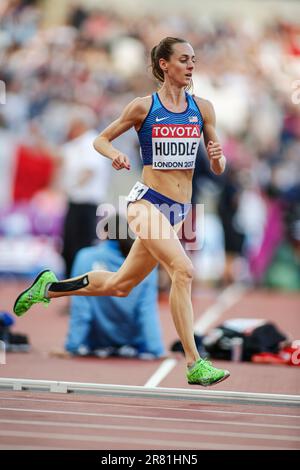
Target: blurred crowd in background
x=65, y=83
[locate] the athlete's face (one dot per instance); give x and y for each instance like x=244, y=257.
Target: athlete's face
x=181, y=65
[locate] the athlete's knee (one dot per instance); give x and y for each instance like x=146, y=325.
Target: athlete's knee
x=119, y=288
x=183, y=271
x=123, y=290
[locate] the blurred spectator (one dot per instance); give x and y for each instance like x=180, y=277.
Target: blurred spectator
x=19, y=19
x=107, y=326
x=276, y=261
x=85, y=178
x=234, y=238
x=7, y=150
x=34, y=166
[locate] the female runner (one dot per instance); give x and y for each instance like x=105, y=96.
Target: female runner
x=169, y=125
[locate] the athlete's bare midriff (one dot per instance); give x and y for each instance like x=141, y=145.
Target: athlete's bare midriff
x=175, y=184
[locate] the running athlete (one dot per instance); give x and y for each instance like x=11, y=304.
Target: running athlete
x=169, y=125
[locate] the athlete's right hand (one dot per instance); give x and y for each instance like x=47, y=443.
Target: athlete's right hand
x=121, y=161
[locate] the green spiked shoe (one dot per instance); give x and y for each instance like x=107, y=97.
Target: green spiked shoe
x=35, y=293
x=203, y=373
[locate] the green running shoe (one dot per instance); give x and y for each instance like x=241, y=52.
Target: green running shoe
x=203, y=373
x=35, y=293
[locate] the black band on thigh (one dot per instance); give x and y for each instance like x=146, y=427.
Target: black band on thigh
x=67, y=286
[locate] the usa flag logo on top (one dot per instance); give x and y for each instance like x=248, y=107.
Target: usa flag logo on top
x=193, y=119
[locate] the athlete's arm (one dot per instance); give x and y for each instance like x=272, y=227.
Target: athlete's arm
x=133, y=115
x=213, y=146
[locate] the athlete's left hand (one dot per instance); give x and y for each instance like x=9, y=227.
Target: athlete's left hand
x=214, y=150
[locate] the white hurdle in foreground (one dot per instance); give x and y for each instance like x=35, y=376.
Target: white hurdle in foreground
x=149, y=392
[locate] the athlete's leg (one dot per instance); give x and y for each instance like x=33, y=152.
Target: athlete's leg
x=138, y=264
x=162, y=242
x=163, y=247
x=157, y=242
x=167, y=249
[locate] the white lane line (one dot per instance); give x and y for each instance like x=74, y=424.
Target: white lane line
x=164, y=369
x=198, y=432
x=135, y=441
x=135, y=428
x=230, y=296
x=118, y=416
x=126, y=405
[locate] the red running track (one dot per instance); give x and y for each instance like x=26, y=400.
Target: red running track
x=42, y=421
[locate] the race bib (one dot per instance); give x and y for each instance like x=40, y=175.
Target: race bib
x=175, y=146
x=137, y=192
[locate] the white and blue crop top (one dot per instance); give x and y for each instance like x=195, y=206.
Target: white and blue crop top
x=170, y=140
